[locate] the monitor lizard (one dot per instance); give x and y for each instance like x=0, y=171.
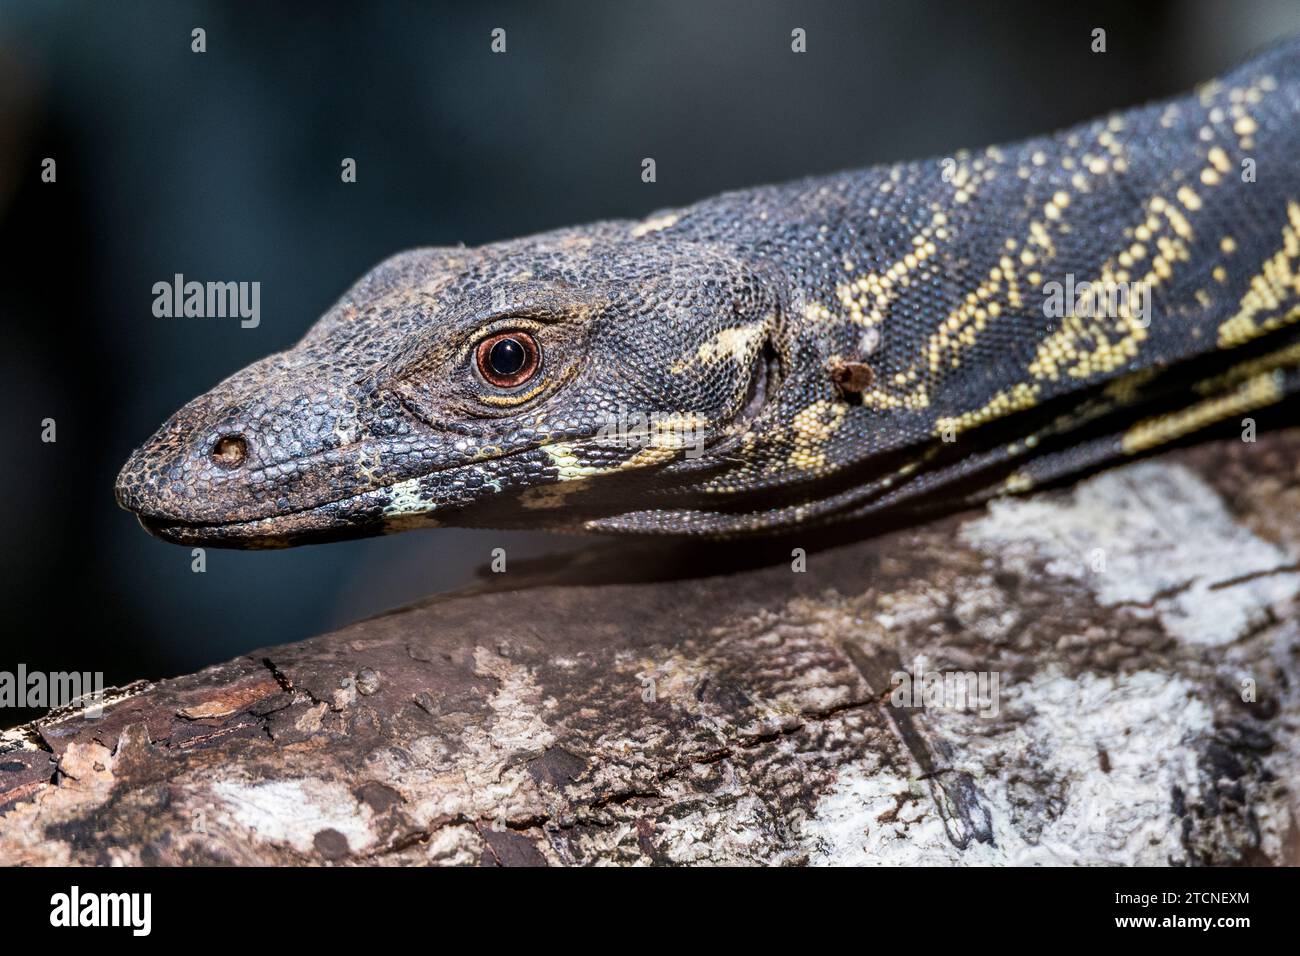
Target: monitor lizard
x=778, y=357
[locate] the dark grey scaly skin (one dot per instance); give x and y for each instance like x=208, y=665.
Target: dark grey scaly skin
x=836, y=346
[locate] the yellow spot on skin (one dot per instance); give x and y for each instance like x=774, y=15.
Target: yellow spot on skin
x=811, y=431
x=1263, y=389
x=1228, y=244
x=868, y=297
x=509, y=401
x=816, y=312
x=657, y=224
x=406, y=500
x=663, y=438
x=1177, y=221
x=968, y=320
x=672, y=432
x=738, y=343
x=1019, y=397
x=652, y=454
x=1277, y=282
x=569, y=466
x=1018, y=483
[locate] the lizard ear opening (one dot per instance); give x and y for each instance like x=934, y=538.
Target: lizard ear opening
x=230, y=452
x=764, y=381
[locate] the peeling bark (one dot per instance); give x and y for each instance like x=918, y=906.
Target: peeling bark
x=667, y=712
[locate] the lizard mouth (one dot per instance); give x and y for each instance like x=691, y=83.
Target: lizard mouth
x=361, y=514
x=397, y=506
x=371, y=511
x=356, y=516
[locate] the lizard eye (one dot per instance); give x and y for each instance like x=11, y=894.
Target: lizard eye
x=508, y=359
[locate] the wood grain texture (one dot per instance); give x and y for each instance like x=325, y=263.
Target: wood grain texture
x=666, y=712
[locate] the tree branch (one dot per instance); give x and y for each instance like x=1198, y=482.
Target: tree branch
x=699, y=703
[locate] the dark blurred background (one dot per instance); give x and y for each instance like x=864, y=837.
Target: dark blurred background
x=225, y=166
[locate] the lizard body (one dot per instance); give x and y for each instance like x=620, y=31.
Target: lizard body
x=786, y=355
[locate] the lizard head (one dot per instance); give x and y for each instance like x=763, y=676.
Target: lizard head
x=555, y=382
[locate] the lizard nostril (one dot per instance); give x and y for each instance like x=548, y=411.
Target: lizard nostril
x=230, y=451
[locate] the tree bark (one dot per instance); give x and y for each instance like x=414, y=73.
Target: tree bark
x=691, y=703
